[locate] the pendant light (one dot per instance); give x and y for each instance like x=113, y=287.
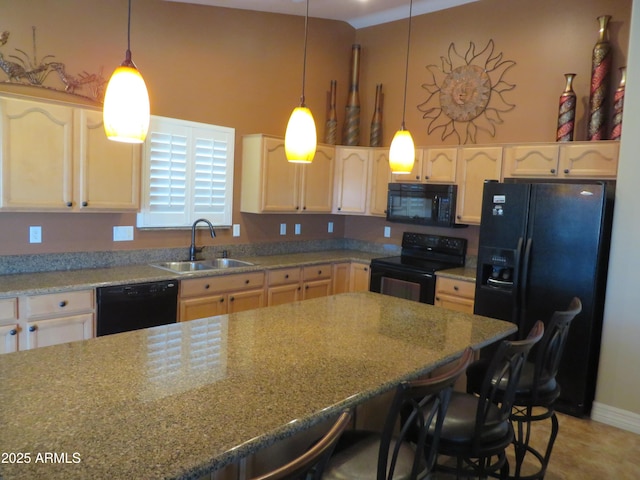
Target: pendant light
x=126, y=101
x=300, y=139
x=402, y=153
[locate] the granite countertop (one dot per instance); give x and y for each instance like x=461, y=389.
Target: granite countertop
x=51, y=282
x=467, y=274
x=181, y=400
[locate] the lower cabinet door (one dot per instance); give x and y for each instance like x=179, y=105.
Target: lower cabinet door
x=52, y=331
x=245, y=300
x=201, y=307
x=8, y=338
x=316, y=288
x=283, y=294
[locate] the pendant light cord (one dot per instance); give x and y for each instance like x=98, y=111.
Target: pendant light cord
x=127, y=61
x=304, y=58
x=406, y=70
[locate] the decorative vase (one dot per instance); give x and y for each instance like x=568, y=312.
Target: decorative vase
x=600, y=72
x=375, y=136
x=351, y=130
x=331, y=126
x=618, y=101
x=566, y=110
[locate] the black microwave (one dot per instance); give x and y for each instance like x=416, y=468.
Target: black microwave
x=422, y=204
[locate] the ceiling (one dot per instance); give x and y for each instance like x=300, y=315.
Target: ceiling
x=358, y=13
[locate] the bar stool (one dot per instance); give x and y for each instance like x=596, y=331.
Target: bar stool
x=311, y=463
x=418, y=409
x=537, y=390
x=476, y=429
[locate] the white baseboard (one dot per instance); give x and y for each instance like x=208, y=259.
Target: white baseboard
x=616, y=417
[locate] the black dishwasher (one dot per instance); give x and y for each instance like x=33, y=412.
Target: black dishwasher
x=122, y=308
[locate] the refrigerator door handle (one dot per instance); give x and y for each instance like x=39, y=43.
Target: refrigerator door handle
x=523, y=285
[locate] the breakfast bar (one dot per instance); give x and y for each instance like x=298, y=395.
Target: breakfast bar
x=181, y=400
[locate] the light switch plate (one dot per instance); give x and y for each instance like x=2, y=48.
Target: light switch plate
x=330, y=227
x=236, y=230
x=283, y=229
x=297, y=229
x=123, y=234
x=35, y=234
x=387, y=232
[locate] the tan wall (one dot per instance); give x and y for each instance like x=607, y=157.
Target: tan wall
x=243, y=69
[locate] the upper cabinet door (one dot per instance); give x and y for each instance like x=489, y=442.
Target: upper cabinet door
x=536, y=161
x=352, y=168
x=317, y=181
x=379, y=179
x=37, y=155
x=476, y=164
x=439, y=165
x=108, y=172
x=589, y=159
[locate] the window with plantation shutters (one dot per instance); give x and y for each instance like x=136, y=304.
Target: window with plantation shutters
x=187, y=174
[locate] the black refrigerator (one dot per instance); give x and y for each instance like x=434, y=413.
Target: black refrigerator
x=540, y=245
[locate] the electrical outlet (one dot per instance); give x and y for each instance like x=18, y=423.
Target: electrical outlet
x=283, y=229
x=387, y=232
x=122, y=234
x=330, y=227
x=35, y=234
x=236, y=230
x=297, y=229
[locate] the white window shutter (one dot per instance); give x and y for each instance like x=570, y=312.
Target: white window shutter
x=187, y=174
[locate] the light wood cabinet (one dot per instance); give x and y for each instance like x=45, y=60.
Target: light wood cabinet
x=210, y=296
x=455, y=294
x=284, y=286
x=340, y=276
x=57, y=158
x=475, y=165
x=316, y=281
x=351, y=180
x=359, y=274
x=432, y=165
x=379, y=179
x=271, y=184
x=9, y=325
x=56, y=318
x=577, y=160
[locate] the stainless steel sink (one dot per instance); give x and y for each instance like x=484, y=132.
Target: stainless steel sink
x=201, y=265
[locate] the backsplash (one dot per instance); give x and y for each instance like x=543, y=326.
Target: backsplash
x=10, y=264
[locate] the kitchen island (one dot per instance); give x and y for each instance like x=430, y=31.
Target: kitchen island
x=185, y=399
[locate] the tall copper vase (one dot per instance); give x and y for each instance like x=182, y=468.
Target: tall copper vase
x=331, y=126
x=566, y=110
x=600, y=73
x=618, y=102
x=351, y=130
x=375, y=136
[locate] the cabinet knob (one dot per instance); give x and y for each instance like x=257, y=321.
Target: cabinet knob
x=222, y=300
x=231, y=299
x=455, y=287
x=417, y=177
x=566, y=170
x=13, y=331
x=33, y=328
x=304, y=208
x=206, y=287
x=69, y=204
x=339, y=208
x=458, y=217
x=62, y=304
x=85, y=204
x=306, y=287
x=366, y=269
x=319, y=272
x=246, y=282
x=286, y=276
x=297, y=207
x=553, y=170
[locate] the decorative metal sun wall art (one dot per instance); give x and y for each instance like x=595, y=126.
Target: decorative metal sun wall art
x=22, y=69
x=466, y=93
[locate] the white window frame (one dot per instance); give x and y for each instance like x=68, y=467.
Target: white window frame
x=187, y=172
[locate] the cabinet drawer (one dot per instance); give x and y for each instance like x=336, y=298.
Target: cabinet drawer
x=222, y=283
x=284, y=276
x=316, y=272
x=459, y=288
x=8, y=309
x=59, y=303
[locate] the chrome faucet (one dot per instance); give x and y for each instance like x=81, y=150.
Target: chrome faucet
x=192, y=249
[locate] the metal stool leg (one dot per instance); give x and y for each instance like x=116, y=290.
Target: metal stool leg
x=522, y=419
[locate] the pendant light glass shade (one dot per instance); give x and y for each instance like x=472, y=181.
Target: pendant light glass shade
x=301, y=139
x=126, y=106
x=402, y=153
x=126, y=109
